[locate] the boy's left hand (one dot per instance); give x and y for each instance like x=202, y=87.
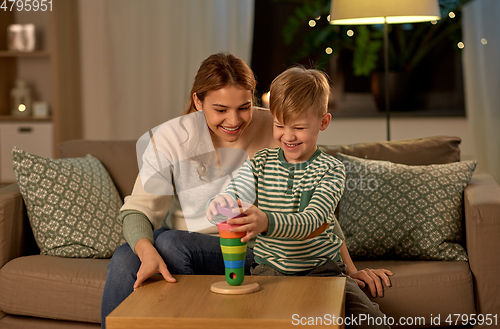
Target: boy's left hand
x=253, y=223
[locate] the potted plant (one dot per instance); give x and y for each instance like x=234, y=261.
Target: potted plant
x=409, y=44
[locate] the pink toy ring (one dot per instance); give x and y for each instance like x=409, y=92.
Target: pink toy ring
x=224, y=226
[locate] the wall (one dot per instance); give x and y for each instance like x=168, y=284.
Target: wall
x=354, y=130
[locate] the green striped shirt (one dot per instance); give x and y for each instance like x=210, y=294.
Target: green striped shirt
x=297, y=198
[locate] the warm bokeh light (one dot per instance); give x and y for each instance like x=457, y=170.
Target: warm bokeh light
x=265, y=99
x=329, y=50
x=22, y=108
x=312, y=23
x=434, y=22
x=350, y=33
x=318, y=18
x=460, y=45
x=484, y=41
x=328, y=18
x=451, y=14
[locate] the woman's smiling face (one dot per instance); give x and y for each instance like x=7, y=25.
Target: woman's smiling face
x=228, y=111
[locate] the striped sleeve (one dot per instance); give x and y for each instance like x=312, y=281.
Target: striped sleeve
x=323, y=202
x=243, y=187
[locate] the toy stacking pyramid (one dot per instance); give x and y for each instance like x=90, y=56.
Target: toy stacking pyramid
x=234, y=253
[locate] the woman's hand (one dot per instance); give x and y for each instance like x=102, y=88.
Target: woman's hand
x=224, y=200
x=254, y=222
x=151, y=263
x=372, y=278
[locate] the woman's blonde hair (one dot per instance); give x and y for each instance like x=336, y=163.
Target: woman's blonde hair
x=218, y=71
x=297, y=90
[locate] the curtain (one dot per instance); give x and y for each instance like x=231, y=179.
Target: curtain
x=139, y=58
x=482, y=80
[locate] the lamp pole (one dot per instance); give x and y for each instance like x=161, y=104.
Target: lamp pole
x=365, y=12
x=386, y=78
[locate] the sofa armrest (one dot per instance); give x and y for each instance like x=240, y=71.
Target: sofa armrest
x=13, y=225
x=482, y=230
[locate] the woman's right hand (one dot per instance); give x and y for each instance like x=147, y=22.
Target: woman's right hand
x=151, y=263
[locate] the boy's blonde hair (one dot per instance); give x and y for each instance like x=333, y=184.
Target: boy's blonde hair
x=297, y=90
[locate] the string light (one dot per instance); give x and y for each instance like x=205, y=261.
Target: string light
x=329, y=50
x=350, y=33
x=312, y=23
x=461, y=45
x=451, y=14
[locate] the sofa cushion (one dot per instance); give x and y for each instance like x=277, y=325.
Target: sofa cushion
x=395, y=211
x=53, y=287
x=72, y=205
x=118, y=157
x=425, y=288
x=420, y=151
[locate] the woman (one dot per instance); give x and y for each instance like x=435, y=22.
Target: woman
x=187, y=161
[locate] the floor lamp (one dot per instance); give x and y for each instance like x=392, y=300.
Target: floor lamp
x=368, y=12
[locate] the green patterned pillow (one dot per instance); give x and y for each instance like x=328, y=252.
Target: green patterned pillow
x=395, y=211
x=72, y=205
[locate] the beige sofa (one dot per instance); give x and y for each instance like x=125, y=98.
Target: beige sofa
x=49, y=292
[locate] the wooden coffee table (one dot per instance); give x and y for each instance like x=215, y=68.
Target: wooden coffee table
x=282, y=302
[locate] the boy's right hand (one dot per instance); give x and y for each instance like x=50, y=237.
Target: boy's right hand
x=224, y=200
x=151, y=263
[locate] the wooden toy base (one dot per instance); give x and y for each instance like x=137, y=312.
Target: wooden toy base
x=222, y=287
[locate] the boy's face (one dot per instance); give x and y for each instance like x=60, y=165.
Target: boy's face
x=298, y=137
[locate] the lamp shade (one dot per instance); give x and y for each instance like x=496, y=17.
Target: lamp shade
x=366, y=12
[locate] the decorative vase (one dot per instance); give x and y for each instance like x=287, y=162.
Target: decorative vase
x=21, y=99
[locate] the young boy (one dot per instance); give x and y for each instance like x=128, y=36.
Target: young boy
x=296, y=189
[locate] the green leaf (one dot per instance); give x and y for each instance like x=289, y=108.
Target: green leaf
x=365, y=55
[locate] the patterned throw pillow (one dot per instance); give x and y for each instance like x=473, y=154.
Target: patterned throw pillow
x=72, y=205
x=395, y=211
